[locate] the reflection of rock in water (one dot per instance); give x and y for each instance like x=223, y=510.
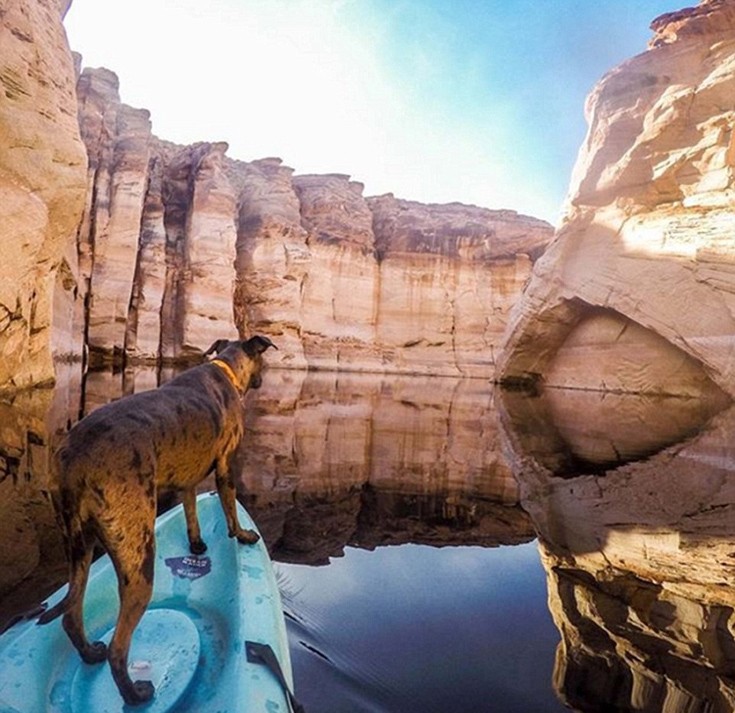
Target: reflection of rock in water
x=633, y=645
x=326, y=431
x=31, y=559
x=571, y=432
x=613, y=392
x=331, y=460
x=311, y=529
x=440, y=518
x=641, y=573
x=621, y=427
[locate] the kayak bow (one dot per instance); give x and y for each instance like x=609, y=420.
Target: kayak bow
x=195, y=641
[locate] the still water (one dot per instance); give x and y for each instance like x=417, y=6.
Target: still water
x=419, y=628
x=442, y=545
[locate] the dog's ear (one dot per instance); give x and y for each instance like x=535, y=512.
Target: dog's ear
x=219, y=346
x=257, y=345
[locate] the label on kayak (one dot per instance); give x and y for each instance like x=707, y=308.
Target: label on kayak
x=189, y=567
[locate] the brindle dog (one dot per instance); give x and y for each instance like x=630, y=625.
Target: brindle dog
x=110, y=467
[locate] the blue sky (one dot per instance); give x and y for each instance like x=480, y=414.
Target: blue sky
x=477, y=101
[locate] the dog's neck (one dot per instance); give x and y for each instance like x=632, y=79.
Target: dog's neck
x=229, y=372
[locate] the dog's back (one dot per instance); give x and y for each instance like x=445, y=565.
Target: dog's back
x=171, y=435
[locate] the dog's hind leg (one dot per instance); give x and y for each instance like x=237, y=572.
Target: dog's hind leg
x=227, y=499
x=196, y=544
x=134, y=567
x=80, y=559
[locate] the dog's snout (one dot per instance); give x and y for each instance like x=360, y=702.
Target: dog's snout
x=256, y=381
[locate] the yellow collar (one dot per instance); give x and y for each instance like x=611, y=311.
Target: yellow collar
x=228, y=371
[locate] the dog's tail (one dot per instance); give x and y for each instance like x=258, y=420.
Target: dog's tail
x=56, y=611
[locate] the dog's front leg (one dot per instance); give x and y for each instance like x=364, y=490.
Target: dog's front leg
x=197, y=546
x=227, y=499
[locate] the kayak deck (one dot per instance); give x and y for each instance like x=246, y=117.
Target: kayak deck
x=190, y=642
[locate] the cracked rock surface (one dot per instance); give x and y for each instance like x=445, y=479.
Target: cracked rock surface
x=41, y=187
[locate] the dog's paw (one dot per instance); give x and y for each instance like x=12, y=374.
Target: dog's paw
x=141, y=692
x=96, y=652
x=198, y=547
x=247, y=537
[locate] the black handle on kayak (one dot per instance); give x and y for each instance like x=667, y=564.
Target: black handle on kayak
x=263, y=654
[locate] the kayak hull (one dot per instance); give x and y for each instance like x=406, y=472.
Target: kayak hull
x=190, y=643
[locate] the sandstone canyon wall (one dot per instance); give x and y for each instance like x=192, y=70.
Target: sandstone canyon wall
x=41, y=187
x=645, y=252
x=165, y=248
x=157, y=241
x=181, y=245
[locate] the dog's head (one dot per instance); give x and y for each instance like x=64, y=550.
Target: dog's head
x=243, y=360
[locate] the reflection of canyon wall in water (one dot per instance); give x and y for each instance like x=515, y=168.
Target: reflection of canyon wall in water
x=641, y=558
x=327, y=462
x=32, y=559
x=648, y=232
x=331, y=460
x=570, y=431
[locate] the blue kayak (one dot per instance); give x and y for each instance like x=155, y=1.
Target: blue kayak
x=213, y=637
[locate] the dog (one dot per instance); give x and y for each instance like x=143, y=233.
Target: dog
x=110, y=467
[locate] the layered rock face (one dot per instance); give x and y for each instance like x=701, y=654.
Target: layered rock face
x=180, y=246
x=377, y=284
x=340, y=290
x=449, y=275
x=647, y=237
x=41, y=189
x=157, y=242
x=272, y=255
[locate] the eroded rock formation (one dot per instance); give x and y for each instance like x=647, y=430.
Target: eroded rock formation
x=456, y=270
x=157, y=242
x=649, y=225
x=180, y=246
x=41, y=189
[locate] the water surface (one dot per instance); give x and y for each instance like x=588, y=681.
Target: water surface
x=419, y=628
x=443, y=546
